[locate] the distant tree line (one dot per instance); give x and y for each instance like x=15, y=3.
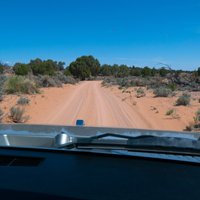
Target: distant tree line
x=86, y=67
x=121, y=71
x=38, y=67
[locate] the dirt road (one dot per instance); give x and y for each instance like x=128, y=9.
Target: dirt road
x=108, y=107
x=89, y=101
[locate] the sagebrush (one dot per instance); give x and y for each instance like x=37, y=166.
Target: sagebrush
x=23, y=101
x=20, y=85
x=1, y=115
x=140, y=93
x=184, y=99
x=17, y=115
x=162, y=92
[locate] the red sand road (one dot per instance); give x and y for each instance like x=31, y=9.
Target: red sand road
x=100, y=106
x=88, y=100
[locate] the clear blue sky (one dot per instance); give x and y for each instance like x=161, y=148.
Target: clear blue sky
x=134, y=32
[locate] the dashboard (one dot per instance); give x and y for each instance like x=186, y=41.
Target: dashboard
x=64, y=174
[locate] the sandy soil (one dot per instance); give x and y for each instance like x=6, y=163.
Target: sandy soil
x=100, y=106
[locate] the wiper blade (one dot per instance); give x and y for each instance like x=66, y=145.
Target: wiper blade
x=125, y=141
x=104, y=135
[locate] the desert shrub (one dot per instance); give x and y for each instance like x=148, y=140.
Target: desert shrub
x=184, y=99
x=170, y=112
x=48, y=81
x=140, y=82
x=189, y=127
x=64, y=79
x=109, y=81
x=172, y=86
x=132, y=83
x=123, y=82
x=17, y=115
x=23, y=101
x=20, y=84
x=196, y=124
x=1, y=115
x=70, y=80
x=1, y=68
x=197, y=119
x=162, y=92
x=103, y=83
x=173, y=114
x=155, y=82
x=3, y=78
x=140, y=92
x=67, y=72
x=2, y=82
x=1, y=96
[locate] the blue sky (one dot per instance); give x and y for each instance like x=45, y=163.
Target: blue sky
x=134, y=32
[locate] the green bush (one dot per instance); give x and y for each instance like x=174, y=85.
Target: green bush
x=44, y=67
x=1, y=96
x=1, y=115
x=23, y=101
x=48, y=81
x=146, y=71
x=59, y=76
x=163, y=72
x=123, y=82
x=1, y=69
x=84, y=67
x=21, y=69
x=172, y=86
x=20, y=84
x=162, y=92
x=67, y=72
x=183, y=100
x=196, y=125
x=140, y=92
x=170, y=112
x=17, y=115
x=2, y=81
x=198, y=71
x=197, y=120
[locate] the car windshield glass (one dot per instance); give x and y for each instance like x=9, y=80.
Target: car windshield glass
x=84, y=66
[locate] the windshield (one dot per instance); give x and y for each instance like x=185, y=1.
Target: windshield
x=129, y=65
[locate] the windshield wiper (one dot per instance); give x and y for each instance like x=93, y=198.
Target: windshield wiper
x=145, y=142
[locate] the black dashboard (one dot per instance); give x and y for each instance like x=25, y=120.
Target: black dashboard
x=49, y=174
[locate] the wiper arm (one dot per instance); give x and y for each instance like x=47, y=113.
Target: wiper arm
x=67, y=140
x=124, y=141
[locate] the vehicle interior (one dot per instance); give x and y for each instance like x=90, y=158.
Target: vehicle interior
x=37, y=163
